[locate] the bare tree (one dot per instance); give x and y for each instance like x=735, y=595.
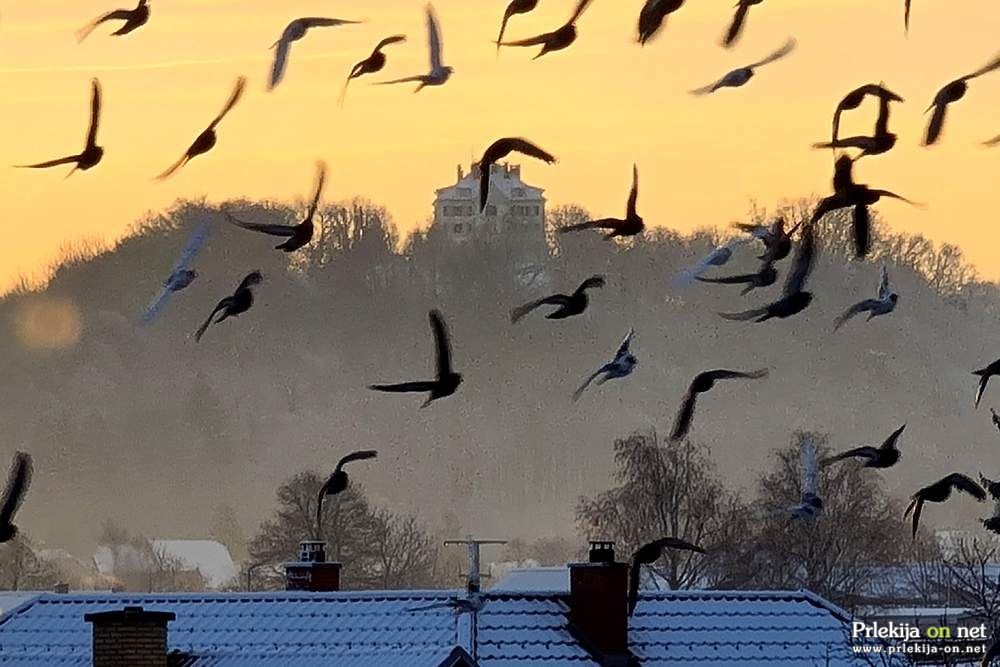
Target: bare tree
x=976, y=580
x=22, y=569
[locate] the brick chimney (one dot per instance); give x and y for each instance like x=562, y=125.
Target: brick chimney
x=598, y=604
x=311, y=572
x=131, y=637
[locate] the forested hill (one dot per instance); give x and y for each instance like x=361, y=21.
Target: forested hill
x=143, y=424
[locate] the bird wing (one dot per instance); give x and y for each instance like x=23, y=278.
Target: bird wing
x=395, y=39
x=537, y=40
x=116, y=15
x=191, y=249
x=906, y=16
x=442, y=346
x=222, y=305
x=802, y=265
x=175, y=166
x=918, y=506
x=982, y=387
x=884, y=290
x=633, y=195
x=320, y=181
x=405, y=387
x=95, y=112
x=406, y=79
x=231, y=102
x=682, y=422
x=992, y=142
x=156, y=305
x=957, y=480
x=856, y=309
x=862, y=228
x=583, y=387
x=633, y=586
x=729, y=280
x=434, y=39
x=678, y=544
x=710, y=88
x=280, y=59
x=737, y=25
x=733, y=375
x=360, y=455
x=51, y=163
x=323, y=22
x=484, y=183
x=986, y=69
x=936, y=124
x=745, y=316
x=581, y=7
x=866, y=452
x=623, y=348
x=527, y=148
x=284, y=231
x=18, y=482
x=787, y=48
x=554, y=300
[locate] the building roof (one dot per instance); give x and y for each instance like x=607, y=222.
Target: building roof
x=377, y=629
x=504, y=178
x=534, y=579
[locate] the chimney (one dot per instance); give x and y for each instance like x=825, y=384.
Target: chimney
x=461, y=174
x=312, y=572
x=598, y=604
x=131, y=637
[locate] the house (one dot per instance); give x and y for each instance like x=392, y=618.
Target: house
x=313, y=623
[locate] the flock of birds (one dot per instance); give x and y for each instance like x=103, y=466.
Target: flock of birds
x=777, y=239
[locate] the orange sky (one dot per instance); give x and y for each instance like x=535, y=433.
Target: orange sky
x=599, y=106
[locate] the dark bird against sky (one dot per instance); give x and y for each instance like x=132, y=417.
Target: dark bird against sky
x=951, y=93
x=293, y=32
x=447, y=381
x=18, y=482
x=207, y=139
x=631, y=225
x=439, y=72
x=742, y=75
x=883, y=304
x=180, y=276
x=984, y=377
x=940, y=491
x=653, y=16
x=558, y=39
x=739, y=19
x=514, y=8
x=621, y=366
x=500, y=149
x=298, y=235
x=92, y=153
x=567, y=305
x=133, y=18
x=702, y=383
x=370, y=65
x=881, y=141
x=337, y=483
x=765, y=276
x=854, y=99
x=231, y=306
x=649, y=554
x=884, y=456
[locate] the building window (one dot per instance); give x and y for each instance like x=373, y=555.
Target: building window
x=536, y=210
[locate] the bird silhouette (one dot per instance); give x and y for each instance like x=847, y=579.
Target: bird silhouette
x=133, y=18
x=370, y=65
x=621, y=366
x=298, y=235
x=631, y=225
x=18, y=482
x=984, y=377
x=766, y=276
x=649, y=554
x=92, y=153
x=439, y=72
x=568, y=305
x=736, y=27
x=742, y=75
x=653, y=15
x=293, y=32
x=500, y=149
x=884, y=456
x=718, y=257
x=207, y=139
x=180, y=276
x=951, y=93
x=995, y=141
x=991, y=487
x=231, y=306
x=881, y=141
x=702, y=383
x=854, y=99
x=883, y=304
x=906, y=16
x=337, y=483
x=558, y=39
x=940, y=491
x=447, y=381
x=794, y=298
x=514, y=8
x=777, y=241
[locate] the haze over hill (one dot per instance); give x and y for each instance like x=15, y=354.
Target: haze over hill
x=143, y=425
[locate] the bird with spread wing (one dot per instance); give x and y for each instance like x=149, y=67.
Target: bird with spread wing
x=180, y=276
x=298, y=236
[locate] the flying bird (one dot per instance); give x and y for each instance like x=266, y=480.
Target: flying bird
x=514, y=8
x=18, y=482
x=370, y=65
x=741, y=76
x=991, y=487
x=558, y=39
x=567, y=305
x=884, y=456
x=206, y=140
x=951, y=93
x=632, y=225
x=940, y=491
x=497, y=151
x=906, y=16
x=234, y=305
x=984, y=376
x=133, y=18
x=439, y=72
x=777, y=241
x=995, y=141
x=653, y=15
x=92, y=153
x=794, y=297
x=702, y=383
x=736, y=27
x=337, y=483
x=649, y=554
x=621, y=366
x=883, y=304
x=881, y=141
x=293, y=32
x=718, y=257
x=298, y=235
x=854, y=99
x=180, y=276
x=766, y=276
x=447, y=381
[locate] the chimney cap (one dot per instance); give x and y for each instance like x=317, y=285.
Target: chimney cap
x=130, y=614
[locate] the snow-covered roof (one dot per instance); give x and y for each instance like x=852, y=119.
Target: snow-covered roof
x=534, y=579
x=376, y=629
x=12, y=599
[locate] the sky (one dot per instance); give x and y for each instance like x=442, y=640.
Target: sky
x=599, y=106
